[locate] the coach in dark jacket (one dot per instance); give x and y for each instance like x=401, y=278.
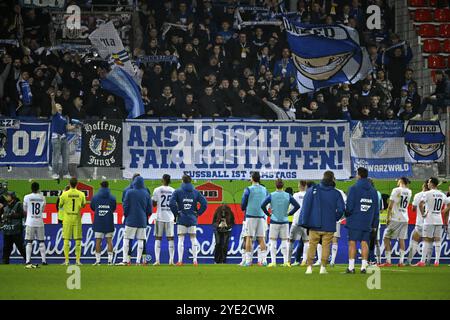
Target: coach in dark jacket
x=223, y=222
x=323, y=206
x=362, y=214
x=12, y=226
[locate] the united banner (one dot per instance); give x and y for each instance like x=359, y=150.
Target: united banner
x=231, y=150
x=379, y=147
x=24, y=143
x=325, y=55
x=425, y=141
x=101, y=143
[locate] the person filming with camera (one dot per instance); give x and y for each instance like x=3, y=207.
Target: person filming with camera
x=223, y=223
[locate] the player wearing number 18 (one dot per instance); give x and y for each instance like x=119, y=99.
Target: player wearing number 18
x=72, y=201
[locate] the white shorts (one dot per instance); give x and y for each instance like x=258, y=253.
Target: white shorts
x=298, y=233
x=102, y=235
x=162, y=227
x=396, y=230
x=337, y=234
x=132, y=232
x=34, y=233
x=419, y=230
x=183, y=229
x=256, y=227
x=432, y=231
x=244, y=231
x=280, y=231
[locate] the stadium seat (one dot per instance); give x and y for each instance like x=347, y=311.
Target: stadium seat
x=427, y=31
x=444, y=30
x=446, y=46
x=442, y=15
x=432, y=46
x=423, y=15
x=433, y=3
x=417, y=3
x=436, y=62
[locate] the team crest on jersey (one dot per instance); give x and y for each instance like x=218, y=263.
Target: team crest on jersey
x=425, y=140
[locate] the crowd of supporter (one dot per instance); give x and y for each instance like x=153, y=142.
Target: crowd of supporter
x=222, y=70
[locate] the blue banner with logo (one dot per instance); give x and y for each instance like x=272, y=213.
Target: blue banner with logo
x=425, y=141
x=205, y=238
x=379, y=147
x=24, y=143
x=232, y=149
x=326, y=55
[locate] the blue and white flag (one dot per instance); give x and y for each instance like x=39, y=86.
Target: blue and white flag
x=425, y=141
x=378, y=146
x=120, y=83
x=326, y=55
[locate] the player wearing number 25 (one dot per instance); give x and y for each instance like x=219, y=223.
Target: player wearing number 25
x=72, y=201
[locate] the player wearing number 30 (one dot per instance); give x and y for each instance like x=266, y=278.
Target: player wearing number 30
x=33, y=205
x=431, y=205
x=164, y=218
x=72, y=201
x=397, y=220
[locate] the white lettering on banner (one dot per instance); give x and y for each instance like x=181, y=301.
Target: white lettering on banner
x=230, y=150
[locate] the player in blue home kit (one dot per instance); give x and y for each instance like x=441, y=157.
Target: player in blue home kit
x=184, y=205
x=279, y=224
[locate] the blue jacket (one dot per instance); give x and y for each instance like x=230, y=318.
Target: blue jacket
x=362, y=210
x=279, y=202
x=184, y=203
x=137, y=205
x=322, y=207
x=103, y=204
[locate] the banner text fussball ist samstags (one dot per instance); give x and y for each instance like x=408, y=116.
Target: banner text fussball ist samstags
x=231, y=150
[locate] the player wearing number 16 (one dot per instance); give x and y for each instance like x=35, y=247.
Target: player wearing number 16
x=72, y=201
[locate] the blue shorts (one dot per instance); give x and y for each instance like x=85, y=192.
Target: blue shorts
x=358, y=235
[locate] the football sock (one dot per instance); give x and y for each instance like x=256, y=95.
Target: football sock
x=110, y=257
x=248, y=257
x=425, y=248
x=429, y=252
x=78, y=250
x=126, y=247
x=305, y=251
x=290, y=250
x=387, y=253
x=402, y=256
x=363, y=264
x=285, y=250
x=42, y=251
x=180, y=248
x=264, y=256
x=273, y=251
x=258, y=253
x=157, y=250
x=140, y=248
x=28, y=249
x=194, y=249
x=351, y=264
x=334, y=250
x=412, y=250
x=244, y=255
x=378, y=251
x=66, y=249
x=97, y=257
x=437, y=249
x=171, y=251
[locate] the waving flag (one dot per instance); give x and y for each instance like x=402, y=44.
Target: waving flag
x=110, y=47
x=120, y=83
x=326, y=55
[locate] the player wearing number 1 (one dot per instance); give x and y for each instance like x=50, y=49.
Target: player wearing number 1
x=164, y=218
x=397, y=220
x=72, y=201
x=433, y=201
x=33, y=205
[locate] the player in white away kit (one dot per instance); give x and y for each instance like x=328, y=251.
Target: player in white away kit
x=397, y=220
x=33, y=205
x=298, y=232
x=164, y=218
x=433, y=201
x=416, y=237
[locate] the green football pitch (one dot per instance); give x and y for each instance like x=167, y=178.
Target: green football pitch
x=220, y=282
